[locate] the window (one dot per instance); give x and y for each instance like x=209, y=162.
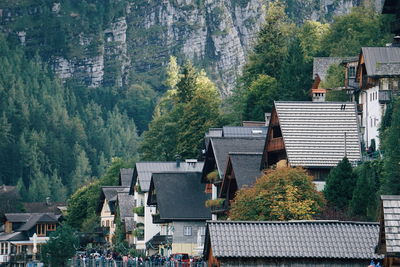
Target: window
x=187, y=230
x=107, y=223
x=3, y=248
x=202, y=230
x=352, y=72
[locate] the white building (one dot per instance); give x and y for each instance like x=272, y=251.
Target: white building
x=378, y=74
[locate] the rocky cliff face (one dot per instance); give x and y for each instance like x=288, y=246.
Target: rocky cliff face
x=134, y=43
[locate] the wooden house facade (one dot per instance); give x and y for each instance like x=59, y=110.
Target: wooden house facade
x=313, y=135
x=389, y=233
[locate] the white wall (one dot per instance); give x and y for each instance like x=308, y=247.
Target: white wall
x=372, y=115
x=150, y=229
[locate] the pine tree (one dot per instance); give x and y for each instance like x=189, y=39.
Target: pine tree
x=186, y=86
x=365, y=196
x=340, y=185
x=391, y=144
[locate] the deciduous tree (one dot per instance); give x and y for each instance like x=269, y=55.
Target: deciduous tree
x=279, y=194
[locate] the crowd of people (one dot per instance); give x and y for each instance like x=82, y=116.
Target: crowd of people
x=114, y=259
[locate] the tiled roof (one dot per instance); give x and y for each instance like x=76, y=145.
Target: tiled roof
x=180, y=196
x=110, y=192
x=40, y=207
x=240, y=131
x=391, y=215
x=125, y=177
x=246, y=167
x=126, y=203
x=29, y=220
x=382, y=61
x=293, y=239
x=222, y=146
x=322, y=64
x=145, y=169
x=16, y=236
x=129, y=224
x=319, y=134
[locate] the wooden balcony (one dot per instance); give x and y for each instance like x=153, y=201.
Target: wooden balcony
x=221, y=208
x=276, y=144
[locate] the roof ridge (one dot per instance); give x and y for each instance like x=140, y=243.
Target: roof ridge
x=245, y=153
x=296, y=221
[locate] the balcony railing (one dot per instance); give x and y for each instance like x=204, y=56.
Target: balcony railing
x=276, y=144
x=385, y=96
x=217, y=205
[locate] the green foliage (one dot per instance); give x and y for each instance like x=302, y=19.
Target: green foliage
x=340, y=185
x=280, y=194
x=182, y=117
x=271, y=46
x=391, y=160
x=365, y=196
x=311, y=36
x=295, y=78
x=214, y=202
x=60, y=247
x=139, y=210
x=83, y=203
x=56, y=137
x=335, y=77
x=260, y=97
x=361, y=27
x=337, y=95
x=120, y=244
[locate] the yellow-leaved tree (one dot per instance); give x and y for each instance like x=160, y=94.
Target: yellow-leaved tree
x=280, y=194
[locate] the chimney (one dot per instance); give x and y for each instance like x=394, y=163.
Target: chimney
x=178, y=161
x=48, y=203
x=396, y=41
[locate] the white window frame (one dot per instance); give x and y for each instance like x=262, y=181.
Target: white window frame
x=202, y=230
x=187, y=230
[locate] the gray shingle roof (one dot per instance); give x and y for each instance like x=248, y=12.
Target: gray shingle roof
x=125, y=177
x=239, y=131
x=293, y=239
x=180, y=196
x=110, y=192
x=314, y=132
x=129, y=224
x=382, y=61
x=246, y=167
x=125, y=203
x=16, y=236
x=391, y=214
x=31, y=219
x=145, y=169
x=222, y=146
x=322, y=64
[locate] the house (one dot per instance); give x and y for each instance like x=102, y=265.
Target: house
x=107, y=207
x=389, y=234
x=125, y=177
x=45, y=207
x=378, y=74
x=243, y=169
x=216, y=159
x=313, y=135
x=179, y=201
x=125, y=204
x=291, y=243
x=145, y=229
x=17, y=240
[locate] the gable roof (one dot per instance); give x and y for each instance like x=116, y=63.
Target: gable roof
x=382, y=61
x=391, y=223
x=222, y=146
x=322, y=64
x=40, y=207
x=125, y=177
x=111, y=192
x=29, y=220
x=319, y=134
x=126, y=203
x=246, y=167
x=240, y=131
x=180, y=196
x=292, y=239
x=145, y=169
